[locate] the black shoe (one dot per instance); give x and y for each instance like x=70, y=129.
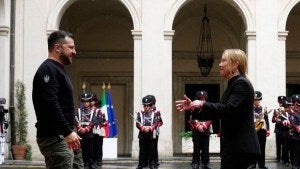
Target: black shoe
x=206, y=166
x=92, y=166
x=252, y=166
x=263, y=167
x=139, y=167
x=98, y=163
x=153, y=167
x=195, y=166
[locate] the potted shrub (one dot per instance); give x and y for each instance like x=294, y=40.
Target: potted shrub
x=20, y=123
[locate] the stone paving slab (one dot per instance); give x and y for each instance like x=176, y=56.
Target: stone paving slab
x=128, y=163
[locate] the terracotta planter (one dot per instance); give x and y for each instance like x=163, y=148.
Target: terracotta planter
x=19, y=151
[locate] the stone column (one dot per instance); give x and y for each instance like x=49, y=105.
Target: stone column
x=4, y=63
x=281, y=50
x=165, y=142
x=251, y=52
x=137, y=91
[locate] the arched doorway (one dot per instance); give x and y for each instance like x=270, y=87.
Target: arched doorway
x=104, y=47
x=293, y=51
x=228, y=31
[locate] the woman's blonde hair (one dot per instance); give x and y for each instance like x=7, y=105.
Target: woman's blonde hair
x=236, y=56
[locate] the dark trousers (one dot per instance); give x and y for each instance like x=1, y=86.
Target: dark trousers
x=201, y=143
x=278, y=146
x=155, y=155
x=292, y=150
x=297, y=153
x=286, y=141
x=238, y=161
x=58, y=155
x=78, y=160
x=146, y=152
x=98, y=151
x=262, y=144
x=87, y=150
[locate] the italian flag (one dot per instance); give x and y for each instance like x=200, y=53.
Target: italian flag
x=104, y=111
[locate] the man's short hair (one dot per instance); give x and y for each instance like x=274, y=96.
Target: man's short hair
x=58, y=37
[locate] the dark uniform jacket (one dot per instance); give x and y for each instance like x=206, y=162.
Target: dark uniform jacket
x=238, y=135
x=87, y=118
x=295, y=122
x=52, y=97
x=278, y=123
x=147, y=119
x=285, y=130
x=198, y=116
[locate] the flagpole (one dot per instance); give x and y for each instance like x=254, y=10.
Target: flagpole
x=103, y=86
x=108, y=86
x=104, y=109
x=83, y=87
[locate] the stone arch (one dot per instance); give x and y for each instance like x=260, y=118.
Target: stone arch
x=285, y=13
x=57, y=12
x=239, y=5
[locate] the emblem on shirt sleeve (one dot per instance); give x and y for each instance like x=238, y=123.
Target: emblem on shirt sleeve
x=46, y=78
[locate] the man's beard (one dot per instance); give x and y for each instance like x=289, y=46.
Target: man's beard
x=66, y=60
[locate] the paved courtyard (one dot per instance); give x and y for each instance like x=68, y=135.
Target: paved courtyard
x=128, y=163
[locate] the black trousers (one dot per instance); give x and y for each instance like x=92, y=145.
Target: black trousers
x=87, y=150
x=238, y=161
x=155, y=155
x=278, y=146
x=262, y=144
x=201, y=143
x=297, y=153
x=98, y=148
x=146, y=152
x=286, y=149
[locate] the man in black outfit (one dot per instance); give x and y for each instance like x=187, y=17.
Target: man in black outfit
x=52, y=97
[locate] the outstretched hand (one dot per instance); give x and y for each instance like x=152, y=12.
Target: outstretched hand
x=184, y=104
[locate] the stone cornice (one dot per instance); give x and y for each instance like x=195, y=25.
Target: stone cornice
x=4, y=30
x=251, y=35
x=282, y=35
x=169, y=34
x=137, y=34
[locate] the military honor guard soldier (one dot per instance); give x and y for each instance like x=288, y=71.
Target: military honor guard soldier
x=278, y=126
x=287, y=151
x=147, y=121
x=262, y=128
x=200, y=134
x=98, y=140
x=295, y=124
x=87, y=117
x=159, y=123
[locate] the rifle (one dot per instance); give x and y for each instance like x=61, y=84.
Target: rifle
x=131, y=115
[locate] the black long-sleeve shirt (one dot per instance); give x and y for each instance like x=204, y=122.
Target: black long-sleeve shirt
x=52, y=97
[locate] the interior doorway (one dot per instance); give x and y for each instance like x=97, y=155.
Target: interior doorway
x=213, y=91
